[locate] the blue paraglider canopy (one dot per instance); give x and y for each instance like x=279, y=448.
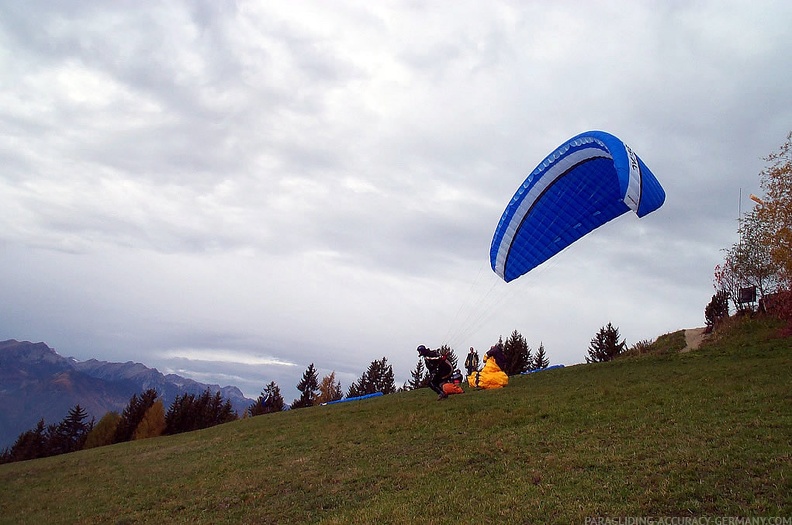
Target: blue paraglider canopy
x=587, y=181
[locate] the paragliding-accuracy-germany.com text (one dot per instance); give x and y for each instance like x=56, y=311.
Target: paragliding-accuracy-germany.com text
x=679, y=520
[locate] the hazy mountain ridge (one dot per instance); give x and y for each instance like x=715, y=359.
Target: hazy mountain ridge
x=36, y=382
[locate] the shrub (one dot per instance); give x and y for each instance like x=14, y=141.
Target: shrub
x=717, y=310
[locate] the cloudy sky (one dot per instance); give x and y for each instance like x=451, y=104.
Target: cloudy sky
x=234, y=190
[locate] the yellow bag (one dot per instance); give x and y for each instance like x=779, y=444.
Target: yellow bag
x=491, y=376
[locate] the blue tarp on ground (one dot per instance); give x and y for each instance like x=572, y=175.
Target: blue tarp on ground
x=358, y=398
x=543, y=369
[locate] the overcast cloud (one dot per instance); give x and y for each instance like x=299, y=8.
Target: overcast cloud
x=234, y=190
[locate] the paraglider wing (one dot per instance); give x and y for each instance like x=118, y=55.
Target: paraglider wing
x=589, y=180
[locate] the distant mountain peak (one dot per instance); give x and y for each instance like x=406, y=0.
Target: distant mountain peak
x=28, y=352
x=51, y=384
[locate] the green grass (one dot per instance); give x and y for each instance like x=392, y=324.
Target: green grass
x=704, y=433
x=669, y=343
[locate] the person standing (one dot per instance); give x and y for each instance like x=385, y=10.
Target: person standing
x=471, y=361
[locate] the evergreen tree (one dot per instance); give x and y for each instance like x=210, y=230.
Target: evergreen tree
x=31, y=444
x=419, y=376
x=378, y=378
x=381, y=376
x=308, y=387
x=269, y=401
x=188, y=412
x=540, y=360
x=357, y=388
x=329, y=389
x=518, y=354
x=75, y=428
x=605, y=346
x=50, y=440
x=133, y=415
x=103, y=432
x=179, y=417
x=221, y=411
x=69, y=435
x=202, y=410
x=450, y=355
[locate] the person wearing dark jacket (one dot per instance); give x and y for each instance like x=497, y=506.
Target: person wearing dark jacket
x=471, y=361
x=497, y=352
x=439, y=368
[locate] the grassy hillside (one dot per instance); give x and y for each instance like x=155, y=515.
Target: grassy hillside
x=707, y=433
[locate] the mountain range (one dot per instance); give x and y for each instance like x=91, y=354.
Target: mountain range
x=37, y=383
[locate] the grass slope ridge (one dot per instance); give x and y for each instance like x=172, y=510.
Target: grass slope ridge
x=701, y=433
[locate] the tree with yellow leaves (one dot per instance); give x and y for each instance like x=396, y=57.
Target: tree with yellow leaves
x=329, y=389
x=153, y=422
x=775, y=209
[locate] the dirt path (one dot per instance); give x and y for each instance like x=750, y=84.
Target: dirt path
x=693, y=338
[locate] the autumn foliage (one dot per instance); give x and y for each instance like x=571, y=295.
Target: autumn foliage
x=775, y=213
x=762, y=258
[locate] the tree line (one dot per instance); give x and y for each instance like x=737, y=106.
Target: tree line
x=145, y=415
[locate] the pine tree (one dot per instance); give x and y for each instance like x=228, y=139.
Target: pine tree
x=200, y=412
x=269, y=401
x=605, y=346
x=179, y=417
x=50, y=440
x=188, y=412
x=518, y=354
x=355, y=389
x=540, y=360
x=31, y=444
x=69, y=435
x=419, y=376
x=133, y=415
x=378, y=378
x=220, y=411
x=76, y=428
x=450, y=355
x=309, y=387
x=381, y=376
